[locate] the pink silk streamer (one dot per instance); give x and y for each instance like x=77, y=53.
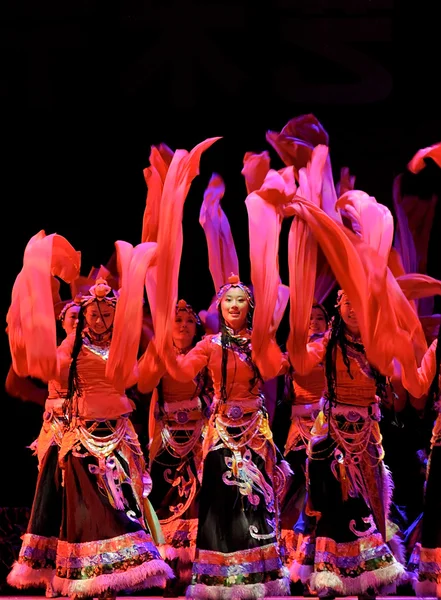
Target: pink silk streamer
x=417, y=162
x=302, y=260
x=255, y=169
x=325, y=280
x=123, y=354
x=388, y=325
x=373, y=220
x=31, y=317
x=418, y=285
x=222, y=256
x=265, y=220
x=183, y=169
x=160, y=159
x=295, y=144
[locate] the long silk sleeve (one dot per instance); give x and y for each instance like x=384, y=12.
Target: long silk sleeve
x=264, y=220
x=127, y=325
x=160, y=159
x=255, y=169
x=418, y=285
x=222, y=256
x=417, y=380
x=31, y=317
x=388, y=325
x=185, y=367
x=183, y=169
x=151, y=369
x=302, y=263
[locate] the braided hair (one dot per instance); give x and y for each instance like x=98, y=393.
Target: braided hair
x=338, y=337
x=434, y=386
x=73, y=382
x=228, y=341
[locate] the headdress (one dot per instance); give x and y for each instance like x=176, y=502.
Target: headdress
x=341, y=294
x=234, y=281
x=100, y=292
x=182, y=305
x=67, y=305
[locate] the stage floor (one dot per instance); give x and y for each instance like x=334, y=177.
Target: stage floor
x=18, y=597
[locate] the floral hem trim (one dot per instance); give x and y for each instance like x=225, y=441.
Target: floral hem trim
x=278, y=587
x=38, y=552
x=104, y=557
x=426, y=566
x=245, y=567
x=149, y=574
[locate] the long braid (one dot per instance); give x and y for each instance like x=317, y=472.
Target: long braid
x=74, y=384
x=343, y=343
x=330, y=364
x=434, y=386
x=225, y=345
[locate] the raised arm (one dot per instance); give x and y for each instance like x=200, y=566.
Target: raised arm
x=417, y=380
x=151, y=369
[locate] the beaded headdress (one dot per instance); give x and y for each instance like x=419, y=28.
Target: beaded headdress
x=100, y=292
x=75, y=302
x=234, y=281
x=182, y=305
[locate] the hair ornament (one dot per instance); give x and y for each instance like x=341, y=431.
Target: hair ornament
x=182, y=305
x=75, y=302
x=234, y=281
x=100, y=292
x=340, y=295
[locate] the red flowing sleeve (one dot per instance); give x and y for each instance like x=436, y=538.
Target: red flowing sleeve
x=31, y=317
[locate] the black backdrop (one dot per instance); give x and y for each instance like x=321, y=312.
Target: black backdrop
x=87, y=87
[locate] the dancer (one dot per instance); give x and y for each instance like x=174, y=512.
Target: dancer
x=100, y=543
x=47, y=503
x=178, y=420
x=306, y=392
x=237, y=541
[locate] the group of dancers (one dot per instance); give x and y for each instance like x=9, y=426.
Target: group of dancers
x=211, y=507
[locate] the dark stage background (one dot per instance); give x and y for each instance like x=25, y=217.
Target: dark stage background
x=88, y=87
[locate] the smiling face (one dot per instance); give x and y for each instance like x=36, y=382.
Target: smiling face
x=184, y=329
x=99, y=316
x=348, y=315
x=234, y=308
x=317, y=321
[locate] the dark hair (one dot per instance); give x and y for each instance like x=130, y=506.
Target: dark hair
x=434, y=386
x=323, y=309
x=338, y=338
x=226, y=343
x=73, y=383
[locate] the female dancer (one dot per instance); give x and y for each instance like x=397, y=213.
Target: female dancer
x=237, y=541
x=349, y=487
x=45, y=516
x=177, y=423
x=306, y=392
x=425, y=561
x=99, y=544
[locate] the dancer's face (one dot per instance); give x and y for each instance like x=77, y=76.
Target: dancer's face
x=70, y=319
x=234, y=307
x=317, y=321
x=349, y=317
x=99, y=316
x=184, y=329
